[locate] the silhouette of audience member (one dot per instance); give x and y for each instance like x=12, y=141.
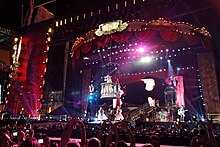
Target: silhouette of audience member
x=148, y=145
x=103, y=139
x=54, y=144
x=205, y=137
x=30, y=142
x=122, y=143
x=154, y=140
x=94, y=142
x=73, y=144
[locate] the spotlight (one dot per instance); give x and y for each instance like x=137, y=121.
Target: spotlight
x=15, y=39
x=168, y=61
x=178, y=69
x=91, y=97
x=141, y=50
x=146, y=59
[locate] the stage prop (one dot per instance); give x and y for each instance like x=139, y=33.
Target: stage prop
x=110, y=89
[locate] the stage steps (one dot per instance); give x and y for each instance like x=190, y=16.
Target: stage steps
x=141, y=110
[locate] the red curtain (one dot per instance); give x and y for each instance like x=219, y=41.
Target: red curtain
x=102, y=41
x=77, y=53
x=206, y=43
x=191, y=39
x=73, y=63
x=121, y=36
x=170, y=36
x=86, y=47
x=145, y=35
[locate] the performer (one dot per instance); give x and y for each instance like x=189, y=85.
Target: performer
x=151, y=101
x=21, y=114
x=101, y=115
x=119, y=115
x=174, y=82
x=181, y=113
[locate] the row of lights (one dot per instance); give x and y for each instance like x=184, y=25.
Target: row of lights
x=91, y=14
x=141, y=49
x=137, y=56
x=15, y=64
x=49, y=34
x=200, y=85
x=45, y=61
x=155, y=71
x=200, y=92
x=160, y=21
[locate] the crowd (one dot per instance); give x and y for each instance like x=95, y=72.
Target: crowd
x=118, y=134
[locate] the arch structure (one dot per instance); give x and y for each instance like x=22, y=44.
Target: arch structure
x=118, y=46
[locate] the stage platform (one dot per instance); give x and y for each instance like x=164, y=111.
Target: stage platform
x=148, y=123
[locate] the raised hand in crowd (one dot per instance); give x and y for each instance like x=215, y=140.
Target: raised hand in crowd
x=5, y=139
x=123, y=126
x=68, y=131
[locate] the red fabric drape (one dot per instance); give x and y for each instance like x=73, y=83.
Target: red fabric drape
x=145, y=35
x=77, y=53
x=73, y=63
x=121, y=36
x=86, y=47
x=206, y=43
x=102, y=41
x=191, y=40
x=170, y=36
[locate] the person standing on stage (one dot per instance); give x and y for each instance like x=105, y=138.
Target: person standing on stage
x=181, y=113
x=119, y=115
x=101, y=115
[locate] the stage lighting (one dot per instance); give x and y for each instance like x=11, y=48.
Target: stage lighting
x=146, y=59
x=141, y=50
x=178, y=69
x=91, y=97
x=203, y=119
x=168, y=61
